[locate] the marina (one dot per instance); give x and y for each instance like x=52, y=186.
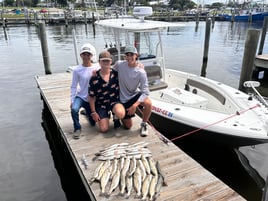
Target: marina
x=185, y=178
x=28, y=171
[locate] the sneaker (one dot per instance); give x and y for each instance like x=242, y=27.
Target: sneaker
x=77, y=133
x=117, y=123
x=83, y=112
x=92, y=122
x=144, y=130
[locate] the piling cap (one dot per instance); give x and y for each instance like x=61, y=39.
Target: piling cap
x=87, y=48
x=105, y=55
x=131, y=49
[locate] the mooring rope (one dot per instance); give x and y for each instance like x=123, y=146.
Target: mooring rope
x=206, y=126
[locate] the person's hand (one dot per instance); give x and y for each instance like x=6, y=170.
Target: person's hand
x=131, y=110
x=95, y=116
x=94, y=73
x=140, y=65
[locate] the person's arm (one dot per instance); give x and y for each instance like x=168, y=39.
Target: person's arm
x=116, y=65
x=73, y=87
x=144, y=87
x=93, y=114
x=92, y=100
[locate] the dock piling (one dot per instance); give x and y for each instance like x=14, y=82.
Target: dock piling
x=249, y=57
x=206, y=47
x=44, y=48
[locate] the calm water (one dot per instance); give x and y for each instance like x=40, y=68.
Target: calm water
x=27, y=167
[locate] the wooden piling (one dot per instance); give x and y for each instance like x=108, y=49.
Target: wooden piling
x=251, y=45
x=85, y=17
x=250, y=18
x=44, y=48
x=66, y=19
x=263, y=35
x=197, y=18
x=93, y=24
x=233, y=17
x=206, y=47
x=4, y=23
x=35, y=18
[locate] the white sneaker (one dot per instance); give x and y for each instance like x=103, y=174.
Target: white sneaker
x=77, y=134
x=144, y=130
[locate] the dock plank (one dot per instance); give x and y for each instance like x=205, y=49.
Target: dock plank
x=186, y=179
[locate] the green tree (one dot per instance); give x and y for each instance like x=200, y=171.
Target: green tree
x=181, y=4
x=61, y=2
x=217, y=5
x=9, y=2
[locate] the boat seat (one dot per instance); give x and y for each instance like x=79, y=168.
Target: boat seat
x=206, y=88
x=154, y=75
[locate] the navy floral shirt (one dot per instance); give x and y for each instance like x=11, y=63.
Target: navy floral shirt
x=106, y=93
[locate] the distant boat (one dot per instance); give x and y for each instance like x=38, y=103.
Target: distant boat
x=245, y=16
x=55, y=15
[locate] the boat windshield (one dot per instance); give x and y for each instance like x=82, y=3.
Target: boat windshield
x=145, y=42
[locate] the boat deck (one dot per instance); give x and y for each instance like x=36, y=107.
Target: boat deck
x=185, y=178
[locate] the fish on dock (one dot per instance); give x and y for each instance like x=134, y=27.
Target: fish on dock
x=105, y=179
x=145, y=187
x=137, y=182
x=115, y=181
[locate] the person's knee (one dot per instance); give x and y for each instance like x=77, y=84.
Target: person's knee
x=104, y=129
x=147, y=103
x=127, y=123
x=119, y=111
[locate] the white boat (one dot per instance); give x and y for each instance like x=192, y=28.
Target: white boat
x=185, y=103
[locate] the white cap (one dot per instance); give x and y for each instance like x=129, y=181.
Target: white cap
x=89, y=49
x=131, y=49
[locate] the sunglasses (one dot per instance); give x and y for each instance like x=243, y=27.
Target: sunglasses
x=129, y=54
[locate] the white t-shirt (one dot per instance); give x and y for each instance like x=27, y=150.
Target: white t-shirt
x=132, y=80
x=80, y=81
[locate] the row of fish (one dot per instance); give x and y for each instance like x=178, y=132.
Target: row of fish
x=123, y=150
x=135, y=170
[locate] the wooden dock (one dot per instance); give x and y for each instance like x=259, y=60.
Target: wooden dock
x=186, y=179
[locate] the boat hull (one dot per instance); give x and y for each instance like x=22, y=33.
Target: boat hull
x=246, y=18
x=179, y=132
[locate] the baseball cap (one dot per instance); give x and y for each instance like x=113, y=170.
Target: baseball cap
x=131, y=49
x=87, y=48
x=105, y=55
